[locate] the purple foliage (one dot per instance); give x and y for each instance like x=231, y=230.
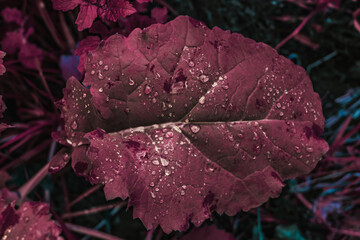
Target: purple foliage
x=184, y=121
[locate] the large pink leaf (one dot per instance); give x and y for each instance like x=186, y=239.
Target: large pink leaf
x=184, y=121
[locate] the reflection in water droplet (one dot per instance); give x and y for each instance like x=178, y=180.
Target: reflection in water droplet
x=147, y=89
x=203, y=78
x=195, y=128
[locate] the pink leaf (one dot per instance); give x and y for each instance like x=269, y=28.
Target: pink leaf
x=144, y=1
x=88, y=44
x=184, y=121
x=86, y=16
x=12, y=15
x=29, y=53
x=66, y=5
x=356, y=23
x=30, y=221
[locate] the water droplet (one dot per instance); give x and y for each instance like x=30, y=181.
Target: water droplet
x=202, y=100
x=101, y=62
x=106, y=67
x=84, y=95
x=66, y=157
x=225, y=86
x=92, y=72
x=101, y=90
x=182, y=192
x=191, y=64
x=281, y=114
x=167, y=172
x=297, y=149
x=147, y=89
x=152, y=184
x=169, y=134
x=164, y=162
x=131, y=82
x=26, y=219
x=100, y=76
x=203, y=78
x=156, y=162
x=153, y=195
x=256, y=136
x=240, y=135
x=74, y=125
x=309, y=149
x=278, y=105
x=195, y=128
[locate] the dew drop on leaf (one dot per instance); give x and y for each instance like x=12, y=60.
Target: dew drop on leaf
x=156, y=162
x=309, y=149
x=195, y=128
x=74, y=125
x=203, y=78
x=164, y=162
x=147, y=89
x=101, y=90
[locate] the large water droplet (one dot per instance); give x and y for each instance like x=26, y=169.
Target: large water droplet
x=203, y=78
x=167, y=172
x=156, y=162
x=147, y=89
x=164, y=162
x=100, y=76
x=195, y=128
x=169, y=134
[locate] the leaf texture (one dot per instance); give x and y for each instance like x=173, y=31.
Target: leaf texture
x=185, y=120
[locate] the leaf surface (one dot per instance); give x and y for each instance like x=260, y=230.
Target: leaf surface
x=184, y=120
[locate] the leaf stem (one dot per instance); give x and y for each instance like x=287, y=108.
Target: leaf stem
x=84, y=195
x=92, y=210
x=91, y=232
x=32, y=183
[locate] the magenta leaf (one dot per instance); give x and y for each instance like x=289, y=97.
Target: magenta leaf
x=107, y=10
x=12, y=15
x=209, y=233
x=30, y=221
x=184, y=121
